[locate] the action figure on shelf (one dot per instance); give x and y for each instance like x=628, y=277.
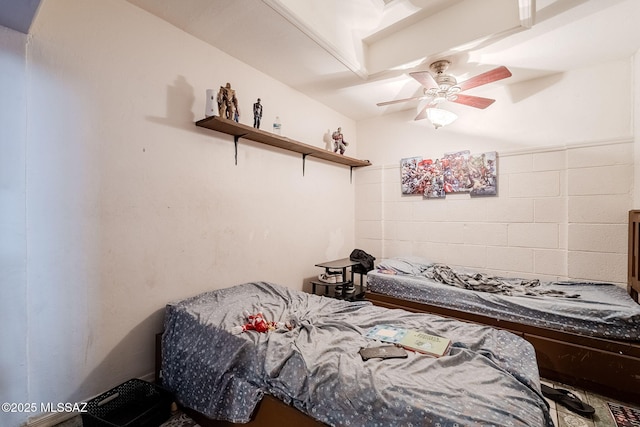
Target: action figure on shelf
x=257, y=114
x=339, y=144
x=228, y=103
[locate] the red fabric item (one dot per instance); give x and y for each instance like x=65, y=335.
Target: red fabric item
x=258, y=323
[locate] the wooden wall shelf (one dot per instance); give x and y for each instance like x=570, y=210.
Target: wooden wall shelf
x=238, y=130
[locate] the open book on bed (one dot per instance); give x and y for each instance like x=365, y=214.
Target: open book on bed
x=411, y=339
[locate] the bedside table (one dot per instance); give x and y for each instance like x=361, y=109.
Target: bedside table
x=343, y=287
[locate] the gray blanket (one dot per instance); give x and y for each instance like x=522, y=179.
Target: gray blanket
x=602, y=310
x=488, y=378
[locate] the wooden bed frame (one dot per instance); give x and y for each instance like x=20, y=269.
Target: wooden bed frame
x=633, y=283
x=608, y=367
x=269, y=412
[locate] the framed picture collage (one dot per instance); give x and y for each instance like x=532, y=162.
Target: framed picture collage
x=459, y=172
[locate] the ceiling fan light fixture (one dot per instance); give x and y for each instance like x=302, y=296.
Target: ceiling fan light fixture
x=439, y=117
x=439, y=98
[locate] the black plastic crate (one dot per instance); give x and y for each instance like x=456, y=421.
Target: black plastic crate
x=134, y=403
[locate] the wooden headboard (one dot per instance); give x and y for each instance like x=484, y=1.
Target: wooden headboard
x=633, y=282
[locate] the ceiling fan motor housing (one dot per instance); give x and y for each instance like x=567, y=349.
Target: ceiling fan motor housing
x=447, y=89
x=445, y=81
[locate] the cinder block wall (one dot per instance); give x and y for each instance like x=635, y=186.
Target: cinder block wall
x=561, y=214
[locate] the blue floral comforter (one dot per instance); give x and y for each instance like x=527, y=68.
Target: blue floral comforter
x=488, y=378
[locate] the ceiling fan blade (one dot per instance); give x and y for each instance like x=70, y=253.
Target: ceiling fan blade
x=397, y=101
x=424, y=78
x=423, y=113
x=474, y=101
x=484, y=78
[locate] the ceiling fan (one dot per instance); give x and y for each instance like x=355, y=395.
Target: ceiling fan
x=443, y=87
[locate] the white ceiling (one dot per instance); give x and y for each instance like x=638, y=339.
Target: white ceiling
x=352, y=54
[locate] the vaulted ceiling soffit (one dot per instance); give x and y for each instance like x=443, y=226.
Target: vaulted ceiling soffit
x=374, y=37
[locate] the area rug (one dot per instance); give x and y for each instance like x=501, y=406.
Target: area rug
x=180, y=420
x=624, y=416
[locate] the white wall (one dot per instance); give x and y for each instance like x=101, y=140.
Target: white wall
x=565, y=184
x=129, y=205
x=13, y=249
x=114, y=203
x=636, y=124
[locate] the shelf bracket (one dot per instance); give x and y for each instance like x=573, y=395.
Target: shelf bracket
x=239, y=130
x=304, y=159
x=236, y=138
x=350, y=174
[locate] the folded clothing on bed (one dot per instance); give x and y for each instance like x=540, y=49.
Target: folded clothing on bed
x=489, y=377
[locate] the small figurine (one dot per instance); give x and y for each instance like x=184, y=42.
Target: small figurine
x=228, y=103
x=339, y=144
x=257, y=114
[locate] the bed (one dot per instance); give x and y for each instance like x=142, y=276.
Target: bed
x=585, y=334
x=309, y=364
x=602, y=310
